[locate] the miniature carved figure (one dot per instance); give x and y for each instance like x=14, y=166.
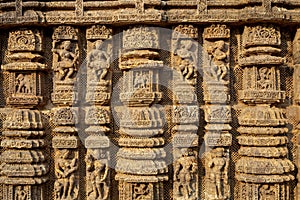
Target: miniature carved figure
x=98, y=61
x=184, y=174
x=217, y=172
x=266, y=192
x=264, y=79
x=65, y=168
x=187, y=64
x=20, y=194
x=141, y=80
x=66, y=66
x=97, y=175
x=218, y=69
x=23, y=84
x=141, y=191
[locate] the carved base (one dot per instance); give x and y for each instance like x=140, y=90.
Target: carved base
x=250, y=191
x=64, y=94
x=98, y=93
x=27, y=101
x=141, y=187
x=258, y=96
x=16, y=192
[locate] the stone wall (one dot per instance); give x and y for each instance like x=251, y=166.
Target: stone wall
x=149, y=99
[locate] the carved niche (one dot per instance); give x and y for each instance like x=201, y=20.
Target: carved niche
x=99, y=59
x=65, y=64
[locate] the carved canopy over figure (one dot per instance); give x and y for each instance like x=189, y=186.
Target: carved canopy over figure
x=67, y=62
x=98, y=61
x=97, y=176
x=217, y=168
x=64, y=171
x=218, y=69
x=184, y=174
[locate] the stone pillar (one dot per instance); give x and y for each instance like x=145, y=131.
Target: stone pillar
x=97, y=116
x=216, y=76
x=185, y=112
x=296, y=107
x=141, y=167
x=263, y=171
x=23, y=169
x=65, y=115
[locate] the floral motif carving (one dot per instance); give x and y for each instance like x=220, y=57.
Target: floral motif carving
x=25, y=40
x=140, y=37
x=261, y=35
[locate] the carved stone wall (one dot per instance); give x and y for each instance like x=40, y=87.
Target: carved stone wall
x=149, y=100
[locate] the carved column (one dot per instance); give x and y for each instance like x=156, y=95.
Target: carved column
x=263, y=171
x=65, y=114
x=185, y=112
x=296, y=107
x=217, y=111
x=141, y=168
x=23, y=169
x=98, y=112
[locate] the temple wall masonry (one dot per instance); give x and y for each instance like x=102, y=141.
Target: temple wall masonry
x=150, y=100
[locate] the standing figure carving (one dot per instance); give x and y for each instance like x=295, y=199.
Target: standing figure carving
x=21, y=194
x=141, y=80
x=65, y=167
x=184, y=174
x=98, y=61
x=217, y=168
x=67, y=64
x=218, y=69
x=98, y=173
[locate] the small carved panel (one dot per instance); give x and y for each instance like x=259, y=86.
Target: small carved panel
x=66, y=185
x=25, y=40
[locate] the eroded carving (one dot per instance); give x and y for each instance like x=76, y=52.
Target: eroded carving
x=262, y=129
x=185, y=50
x=140, y=176
x=23, y=162
x=217, y=110
x=66, y=66
x=185, y=169
x=97, y=174
x=98, y=61
x=66, y=165
x=218, y=67
x=217, y=174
